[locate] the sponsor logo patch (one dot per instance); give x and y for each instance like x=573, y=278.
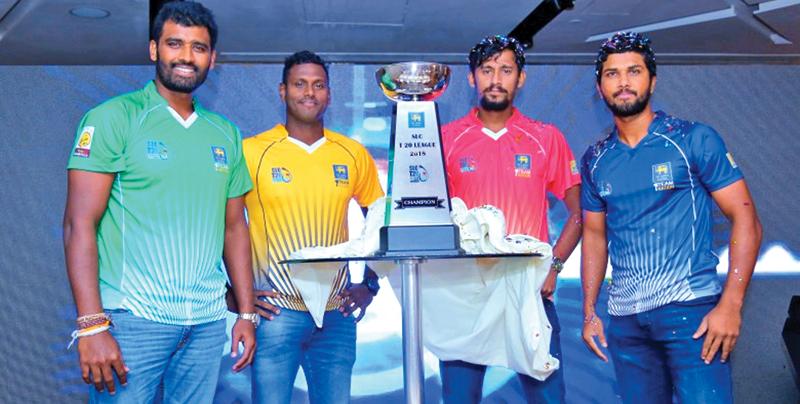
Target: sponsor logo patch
x=280, y=174
x=573, y=167
x=416, y=120
x=84, y=146
x=340, y=175
x=604, y=189
x=417, y=173
x=522, y=165
x=662, y=176
x=220, y=158
x=157, y=150
x=467, y=164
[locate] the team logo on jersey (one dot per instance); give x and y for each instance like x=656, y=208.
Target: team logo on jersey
x=416, y=119
x=573, y=167
x=220, y=158
x=417, y=173
x=468, y=164
x=156, y=150
x=522, y=165
x=340, y=175
x=84, y=146
x=281, y=174
x=730, y=160
x=604, y=189
x=662, y=176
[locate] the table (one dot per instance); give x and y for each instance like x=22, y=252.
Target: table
x=410, y=265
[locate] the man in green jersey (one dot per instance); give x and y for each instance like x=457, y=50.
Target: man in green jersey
x=155, y=199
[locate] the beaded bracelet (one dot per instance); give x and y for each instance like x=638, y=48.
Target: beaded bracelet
x=90, y=320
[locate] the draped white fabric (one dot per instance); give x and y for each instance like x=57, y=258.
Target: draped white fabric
x=486, y=311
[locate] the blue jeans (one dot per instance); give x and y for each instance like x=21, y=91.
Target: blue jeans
x=180, y=362
x=655, y=356
x=462, y=382
x=292, y=340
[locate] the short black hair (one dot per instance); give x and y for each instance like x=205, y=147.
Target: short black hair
x=623, y=42
x=300, y=58
x=492, y=45
x=187, y=14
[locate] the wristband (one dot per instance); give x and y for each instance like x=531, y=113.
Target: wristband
x=93, y=330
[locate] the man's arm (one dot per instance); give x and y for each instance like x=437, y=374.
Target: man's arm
x=569, y=237
x=594, y=260
x=87, y=199
x=238, y=263
x=722, y=324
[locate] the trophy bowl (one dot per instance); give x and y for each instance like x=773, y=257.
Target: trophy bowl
x=413, y=81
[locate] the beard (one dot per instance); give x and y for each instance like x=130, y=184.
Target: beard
x=180, y=84
x=494, y=105
x=500, y=105
x=626, y=109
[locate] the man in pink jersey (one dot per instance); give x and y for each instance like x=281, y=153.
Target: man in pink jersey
x=495, y=155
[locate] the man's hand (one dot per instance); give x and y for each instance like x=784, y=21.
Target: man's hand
x=244, y=332
x=100, y=357
x=721, y=326
x=357, y=296
x=593, y=327
x=264, y=308
x=549, y=285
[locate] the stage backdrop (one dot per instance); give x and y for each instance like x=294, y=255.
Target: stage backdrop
x=755, y=108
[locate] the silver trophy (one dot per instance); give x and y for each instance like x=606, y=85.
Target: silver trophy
x=418, y=205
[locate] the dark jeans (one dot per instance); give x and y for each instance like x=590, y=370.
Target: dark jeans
x=655, y=355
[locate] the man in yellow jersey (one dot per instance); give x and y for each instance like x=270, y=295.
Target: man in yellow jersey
x=304, y=178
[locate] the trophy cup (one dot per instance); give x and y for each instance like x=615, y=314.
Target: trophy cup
x=417, y=218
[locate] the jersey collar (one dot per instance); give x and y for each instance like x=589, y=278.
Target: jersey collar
x=152, y=93
x=515, y=116
x=658, y=124
x=310, y=148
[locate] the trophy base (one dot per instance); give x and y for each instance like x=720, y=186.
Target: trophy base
x=422, y=240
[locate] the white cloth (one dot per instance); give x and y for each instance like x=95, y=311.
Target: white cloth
x=486, y=311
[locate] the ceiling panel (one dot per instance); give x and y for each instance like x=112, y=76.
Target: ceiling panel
x=43, y=31
x=354, y=12
x=46, y=33
x=785, y=21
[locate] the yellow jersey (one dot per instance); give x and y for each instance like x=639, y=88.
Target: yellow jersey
x=300, y=198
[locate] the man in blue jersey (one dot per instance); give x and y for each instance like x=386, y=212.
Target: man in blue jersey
x=647, y=199
x=155, y=199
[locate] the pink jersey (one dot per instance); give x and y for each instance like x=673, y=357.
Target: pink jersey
x=512, y=169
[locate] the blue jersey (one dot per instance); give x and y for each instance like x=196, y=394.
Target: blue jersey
x=656, y=197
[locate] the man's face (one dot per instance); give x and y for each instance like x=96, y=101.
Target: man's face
x=183, y=56
x=306, y=92
x=626, y=84
x=496, y=80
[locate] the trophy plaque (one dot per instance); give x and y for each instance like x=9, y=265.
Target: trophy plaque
x=417, y=218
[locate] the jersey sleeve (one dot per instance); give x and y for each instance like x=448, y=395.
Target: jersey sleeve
x=590, y=197
x=367, y=188
x=449, y=164
x=100, y=140
x=714, y=163
x=239, y=181
x=562, y=170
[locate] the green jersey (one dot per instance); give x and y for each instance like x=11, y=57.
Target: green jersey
x=160, y=240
